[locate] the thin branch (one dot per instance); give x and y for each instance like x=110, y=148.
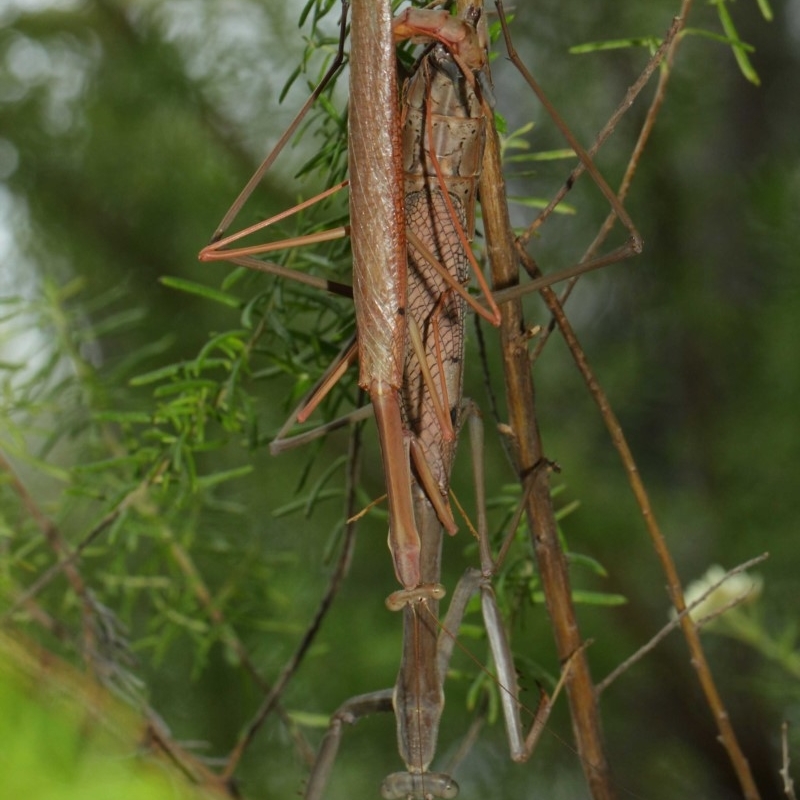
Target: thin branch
x=334, y=584
x=698, y=658
x=630, y=96
x=676, y=622
x=672, y=40
x=532, y=467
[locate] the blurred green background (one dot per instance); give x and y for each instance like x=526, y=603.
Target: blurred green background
x=126, y=129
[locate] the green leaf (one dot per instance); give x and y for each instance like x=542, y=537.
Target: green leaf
x=740, y=49
x=500, y=124
x=587, y=561
x=157, y=375
x=188, y=386
x=765, y=9
x=199, y=289
x=302, y=503
x=566, y=510
x=588, y=598
x=598, y=598
x=541, y=155
x=649, y=42
x=538, y=202
x=106, y=464
x=309, y=720
x=230, y=342
x=123, y=417
x=207, y=481
x=115, y=323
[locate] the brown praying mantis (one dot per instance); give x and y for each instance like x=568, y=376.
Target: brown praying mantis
x=443, y=123
x=413, y=180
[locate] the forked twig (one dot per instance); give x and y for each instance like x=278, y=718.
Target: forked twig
x=699, y=661
x=673, y=39
x=663, y=56
x=601, y=686
x=659, y=57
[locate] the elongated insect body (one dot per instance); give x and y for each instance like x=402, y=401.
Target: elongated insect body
x=379, y=261
x=443, y=139
x=443, y=136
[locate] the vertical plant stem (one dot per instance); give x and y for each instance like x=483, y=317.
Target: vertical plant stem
x=698, y=659
x=690, y=631
x=533, y=469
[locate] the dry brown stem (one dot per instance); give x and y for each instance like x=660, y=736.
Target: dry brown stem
x=533, y=471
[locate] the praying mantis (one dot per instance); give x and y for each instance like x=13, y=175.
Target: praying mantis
x=410, y=347
x=437, y=210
